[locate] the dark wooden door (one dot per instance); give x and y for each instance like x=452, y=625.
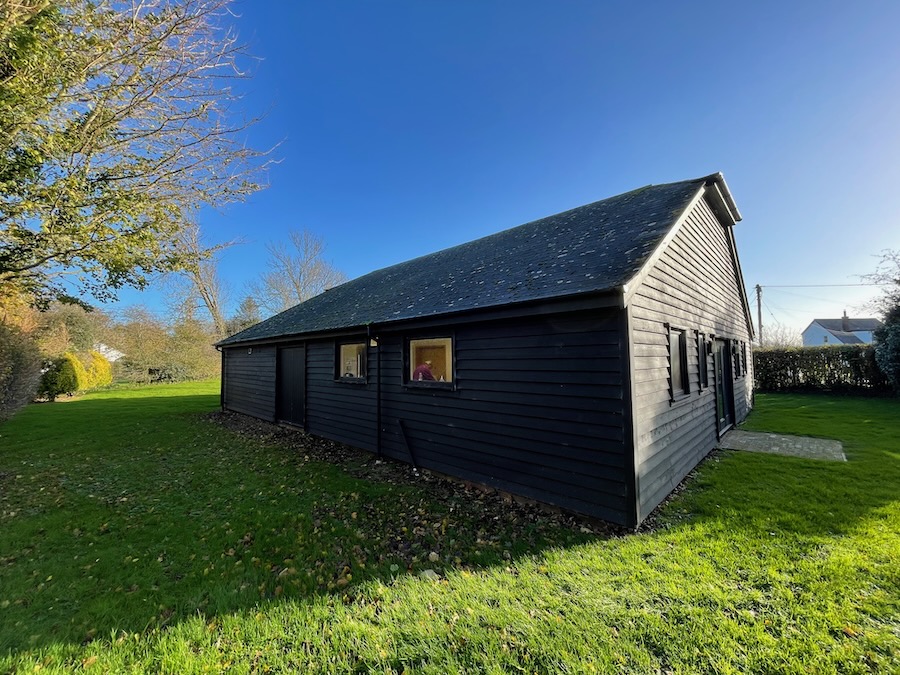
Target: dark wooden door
x=724, y=385
x=291, y=384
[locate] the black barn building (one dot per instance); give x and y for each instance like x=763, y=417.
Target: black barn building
x=588, y=360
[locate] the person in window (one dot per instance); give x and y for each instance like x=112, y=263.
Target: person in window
x=423, y=373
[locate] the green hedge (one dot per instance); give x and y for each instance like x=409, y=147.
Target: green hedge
x=846, y=369
x=20, y=370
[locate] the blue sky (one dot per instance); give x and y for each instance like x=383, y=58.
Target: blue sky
x=407, y=127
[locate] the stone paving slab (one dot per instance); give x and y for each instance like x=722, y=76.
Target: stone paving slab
x=780, y=444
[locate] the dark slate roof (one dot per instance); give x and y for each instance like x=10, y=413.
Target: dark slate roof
x=846, y=338
x=597, y=247
x=853, y=325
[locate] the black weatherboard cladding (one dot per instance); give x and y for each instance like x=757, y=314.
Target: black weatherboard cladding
x=597, y=247
x=561, y=374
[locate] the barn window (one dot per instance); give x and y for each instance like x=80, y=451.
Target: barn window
x=702, y=363
x=430, y=360
x=678, y=378
x=351, y=361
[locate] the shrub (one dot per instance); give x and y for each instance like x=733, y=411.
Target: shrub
x=99, y=371
x=845, y=369
x=68, y=374
x=61, y=377
x=887, y=353
x=20, y=370
x=82, y=380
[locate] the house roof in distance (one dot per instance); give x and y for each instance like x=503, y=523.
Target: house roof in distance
x=846, y=338
x=593, y=248
x=853, y=325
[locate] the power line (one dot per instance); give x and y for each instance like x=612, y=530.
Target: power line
x=759, y=300
x=769, y=309
x=790, y=313
x=817, y=285
x=801, y=295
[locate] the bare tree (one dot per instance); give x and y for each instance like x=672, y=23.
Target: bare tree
x=296, y=272
x=886, y=275
x=779, y=336
x=114, y=125
x=200, y=270
x=887, y=338
x=143, y=338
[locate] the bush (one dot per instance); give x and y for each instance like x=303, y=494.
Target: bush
x=887, y=353
x=82, y=381
x=99, y=371
x=844, y=369
x=20, y=370
x=62, y=377
x=68, y=374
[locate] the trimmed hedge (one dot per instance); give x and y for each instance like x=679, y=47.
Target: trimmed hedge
x=843, y=369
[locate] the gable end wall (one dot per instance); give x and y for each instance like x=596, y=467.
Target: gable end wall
x=692, y=286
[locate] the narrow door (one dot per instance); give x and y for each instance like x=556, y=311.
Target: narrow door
x=724, y=385
x=291, y=384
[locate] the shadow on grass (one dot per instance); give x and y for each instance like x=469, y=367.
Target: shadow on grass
x=132, y=514
x=129, y=514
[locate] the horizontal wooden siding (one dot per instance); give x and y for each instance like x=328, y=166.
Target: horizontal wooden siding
x=537, y=411
x=338, y=410
x=249, y=381
x=693, y=287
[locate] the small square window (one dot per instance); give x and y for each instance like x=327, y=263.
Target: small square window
x=678, y=379
x=351, y=364
x=430, y=360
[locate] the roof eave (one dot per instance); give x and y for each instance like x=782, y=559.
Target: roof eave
x=609, y=297
x=722, y=198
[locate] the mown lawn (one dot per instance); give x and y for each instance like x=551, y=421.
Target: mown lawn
x=136, y=534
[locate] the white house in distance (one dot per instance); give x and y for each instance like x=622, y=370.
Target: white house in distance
x=111, y=354
x=843, y=331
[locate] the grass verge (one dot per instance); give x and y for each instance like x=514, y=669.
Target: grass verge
x=138, y=535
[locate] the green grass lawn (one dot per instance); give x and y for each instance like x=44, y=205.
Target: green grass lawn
x=137, y=534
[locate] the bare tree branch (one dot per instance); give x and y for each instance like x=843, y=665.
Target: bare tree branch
x=202, y=274
x=779, y=336
x=115, y=126
x=296, y=272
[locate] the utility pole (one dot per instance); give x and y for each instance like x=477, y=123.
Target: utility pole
x=759, y=312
